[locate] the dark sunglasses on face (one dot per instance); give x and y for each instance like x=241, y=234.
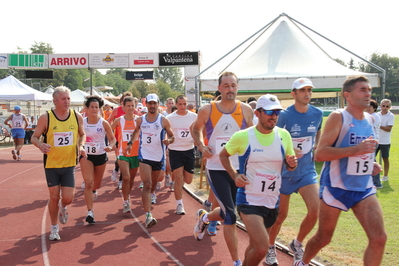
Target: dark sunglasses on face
x=272, y=112
x=385, y=105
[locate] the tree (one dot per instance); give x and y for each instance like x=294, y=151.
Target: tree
x=340, y=61
x=41, y=48
x=171, y=76
x=165, y=91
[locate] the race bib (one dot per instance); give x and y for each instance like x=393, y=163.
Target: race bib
x=93, y=148
x=266, y=183
x=220, y=142
x=360, y=164
x=126, y=135
x=183, y=133
x=303, y=145
x=62, y=139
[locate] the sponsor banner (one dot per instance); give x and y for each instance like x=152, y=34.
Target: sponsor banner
x=3, y=61
x=68, y=61
x=109, y=60
x=142, y=60
x=178, y=59
x=189, y=82
x=139, y=75
x=28, y=60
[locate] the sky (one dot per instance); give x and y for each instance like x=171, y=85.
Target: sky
x=211, y=27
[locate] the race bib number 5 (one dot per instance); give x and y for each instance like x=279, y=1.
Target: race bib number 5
x=62, y=139
x=302, y=145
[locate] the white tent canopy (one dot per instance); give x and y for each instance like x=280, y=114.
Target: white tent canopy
x=281, y=54
x=11, y=89
x=78, y=98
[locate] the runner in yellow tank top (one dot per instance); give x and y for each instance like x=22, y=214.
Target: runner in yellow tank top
x=64, y=139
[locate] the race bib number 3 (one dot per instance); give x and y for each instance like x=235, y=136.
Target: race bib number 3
x=360, y=164
x=62, y=139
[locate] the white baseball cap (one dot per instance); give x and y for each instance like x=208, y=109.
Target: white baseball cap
x=152, y=97
x=302, y=82
x=268, y=102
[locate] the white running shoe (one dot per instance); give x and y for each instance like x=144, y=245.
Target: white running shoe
x=384, y=178
x=153, y=198
x=90, y=217
x=172, y=186
x=126, y=207
x=141, y=185
x=120, y=185
x=180, y=209
x=114, y=176
x=167, y=181
x=63, y=213
x=19, y=158
x=150, y=221
x=83, y=185
x=159, y=185
x=200, y=225
x=297, y=250
x=54, y=235
x=271, y=256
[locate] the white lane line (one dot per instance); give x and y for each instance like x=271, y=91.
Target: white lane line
x=40, y=165
x=46, y=260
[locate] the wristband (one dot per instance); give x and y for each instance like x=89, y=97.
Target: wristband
x=129, y=143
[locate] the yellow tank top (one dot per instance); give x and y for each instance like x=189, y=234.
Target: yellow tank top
x=62, y=135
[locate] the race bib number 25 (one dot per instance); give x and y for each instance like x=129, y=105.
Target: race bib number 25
x=62, y=139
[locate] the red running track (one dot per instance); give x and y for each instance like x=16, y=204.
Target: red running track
x=116, y=238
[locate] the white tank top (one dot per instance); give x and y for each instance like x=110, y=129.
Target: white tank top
x=263, y=170
x=17, y=121
x=95, y=137
x=151, y=136
x=180, y=125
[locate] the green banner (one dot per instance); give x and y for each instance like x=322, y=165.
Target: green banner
x=28, y=60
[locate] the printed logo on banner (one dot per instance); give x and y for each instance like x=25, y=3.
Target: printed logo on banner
x=178, y=59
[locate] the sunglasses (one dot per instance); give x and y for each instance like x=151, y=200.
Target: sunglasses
x=385, y=105
x=272, y=112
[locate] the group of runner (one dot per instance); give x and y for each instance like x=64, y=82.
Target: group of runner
x=250, y=168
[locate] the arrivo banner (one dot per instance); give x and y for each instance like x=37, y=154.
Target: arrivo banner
x=65, y=61
x=109, y=60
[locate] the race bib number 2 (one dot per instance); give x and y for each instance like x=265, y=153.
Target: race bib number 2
x=62, y=139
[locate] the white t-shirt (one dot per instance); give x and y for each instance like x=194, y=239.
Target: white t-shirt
x=180, y=125
x=386, y=120
x=376, y=125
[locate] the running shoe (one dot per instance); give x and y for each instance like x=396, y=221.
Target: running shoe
x=90, y=217
x=271, y=256
x=14, y=154
x=114, y=176
x=153, y=198
x=150, y=221
x=384, y=178
x=19, y=158
x=172, y=186
x=297, y=250
x=120, y=185
x=237, y=263
x=298, y=263
x=63, y=213
x=141, y=185
x=212, y=228
x=83, y=185
x=159, y=185
x=200, y=225
x=126, y=207
x=167, y=181
x=95, y=195
x=54, y=235
x=180, y=209
x=207, y=205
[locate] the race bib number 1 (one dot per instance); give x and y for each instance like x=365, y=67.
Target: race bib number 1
x=126, y=135
x=62, y=139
